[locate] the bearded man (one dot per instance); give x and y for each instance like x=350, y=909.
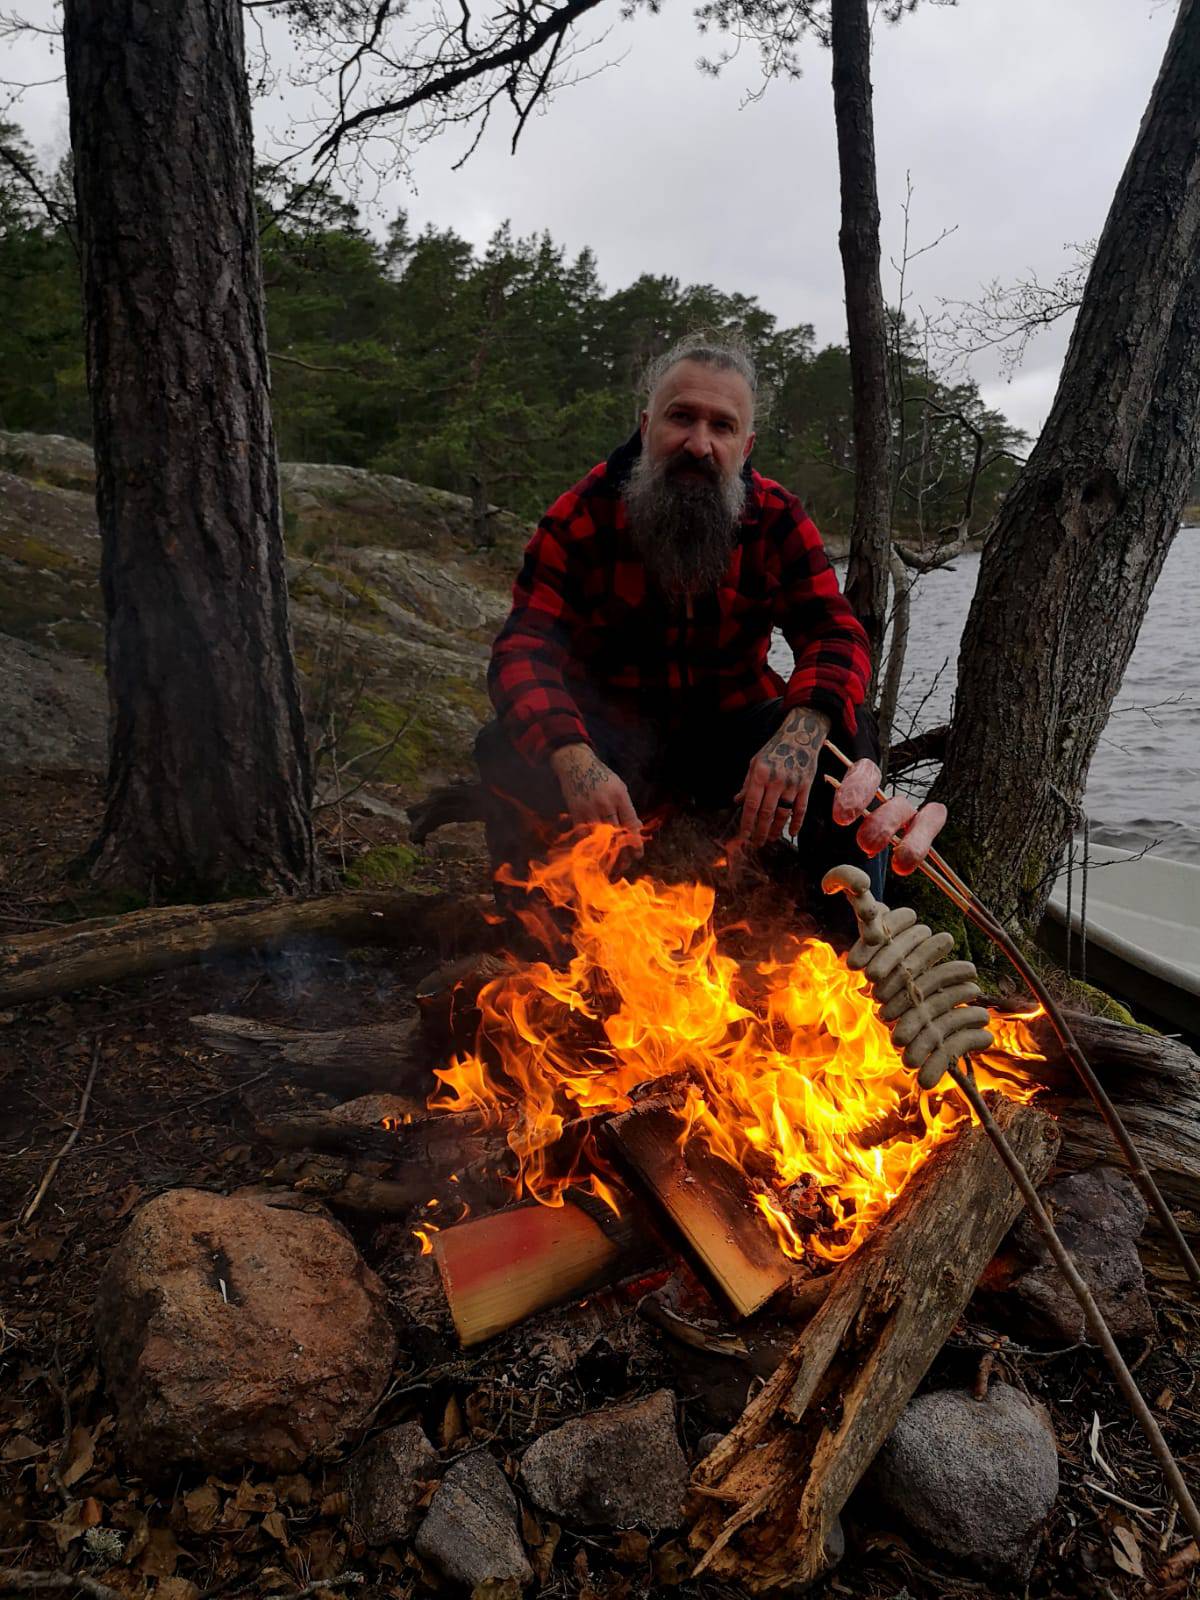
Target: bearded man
x=632, y=671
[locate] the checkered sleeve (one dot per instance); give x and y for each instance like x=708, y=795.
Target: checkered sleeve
x=526, y=678
x=832, y=656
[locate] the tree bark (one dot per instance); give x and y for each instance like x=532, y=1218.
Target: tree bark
x=870, y=530
x=1079, y=543
x=209, y=786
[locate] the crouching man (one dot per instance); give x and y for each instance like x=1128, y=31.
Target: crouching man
x=632, y=671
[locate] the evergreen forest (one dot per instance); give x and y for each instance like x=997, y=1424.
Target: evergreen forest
x=502, y=374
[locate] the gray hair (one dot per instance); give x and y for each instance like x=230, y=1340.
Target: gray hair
x=728, y=352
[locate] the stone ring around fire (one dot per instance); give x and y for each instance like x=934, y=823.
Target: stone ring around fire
x=923, y=998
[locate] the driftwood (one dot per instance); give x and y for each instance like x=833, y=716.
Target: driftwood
x=110, y=949
x=709, y=1202
x=769, y=1494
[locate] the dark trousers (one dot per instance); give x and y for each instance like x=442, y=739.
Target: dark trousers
x=694, y=766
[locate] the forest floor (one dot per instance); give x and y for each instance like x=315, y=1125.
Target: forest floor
x=166, y=1112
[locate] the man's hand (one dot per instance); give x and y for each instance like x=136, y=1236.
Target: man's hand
x=915, y=830
x=593, y=792
x=780, y=778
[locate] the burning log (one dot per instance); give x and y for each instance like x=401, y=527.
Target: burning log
x=769, y=1494
x=499, y=1269
x=710, y=1203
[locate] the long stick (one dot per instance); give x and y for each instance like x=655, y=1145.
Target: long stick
x=939, y=873
x=76, y=1129
x=1095, y=1320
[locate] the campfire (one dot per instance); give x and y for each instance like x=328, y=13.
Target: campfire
x=753, y=1112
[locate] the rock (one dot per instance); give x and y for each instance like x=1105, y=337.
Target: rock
x=613, y=1468
x=233, y=1331
x=974, y=1479
x=54, y=712
x=388, y=1478
x=1099, y=1215
x=470, y=1532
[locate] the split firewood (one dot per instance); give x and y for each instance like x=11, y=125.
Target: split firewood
x=110, y=949
x=710, y=1203
x=769, y=1494
x=499, y=1269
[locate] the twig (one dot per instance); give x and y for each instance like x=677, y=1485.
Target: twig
x=76, y=1129
x=346, y=1580
x=14, y=1581
x=130, y=1133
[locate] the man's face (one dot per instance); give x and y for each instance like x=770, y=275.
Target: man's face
x=699, y=419
x=685, y=494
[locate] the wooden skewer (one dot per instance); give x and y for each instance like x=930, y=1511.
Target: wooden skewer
x=943, y=877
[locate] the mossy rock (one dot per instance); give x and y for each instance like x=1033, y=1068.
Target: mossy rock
x=387, y=866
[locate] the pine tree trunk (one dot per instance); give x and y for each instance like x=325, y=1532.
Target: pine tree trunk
x=1080, y=541
x=209, y=785
x=870, y=530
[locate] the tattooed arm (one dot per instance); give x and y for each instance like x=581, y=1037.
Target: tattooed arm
x=593, y=792
x=779, y=779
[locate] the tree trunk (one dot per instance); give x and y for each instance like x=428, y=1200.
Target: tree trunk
x=1081, y=539
x=209, y=787
x=870, y=530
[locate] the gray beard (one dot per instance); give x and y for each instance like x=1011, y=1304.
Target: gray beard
x=684, y=528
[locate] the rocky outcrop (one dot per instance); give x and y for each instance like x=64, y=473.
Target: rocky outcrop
x=233, y=1331
x=390, y=588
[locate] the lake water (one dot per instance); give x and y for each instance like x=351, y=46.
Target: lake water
x=1144, y=786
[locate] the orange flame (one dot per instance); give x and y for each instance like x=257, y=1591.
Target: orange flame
x=789, y=1074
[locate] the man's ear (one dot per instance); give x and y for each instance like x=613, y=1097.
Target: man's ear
x=644, y=424
x=749, y=445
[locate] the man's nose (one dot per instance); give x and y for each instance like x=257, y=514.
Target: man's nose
x=699, y=443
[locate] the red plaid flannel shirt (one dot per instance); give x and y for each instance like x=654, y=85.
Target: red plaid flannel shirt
x=587, y=627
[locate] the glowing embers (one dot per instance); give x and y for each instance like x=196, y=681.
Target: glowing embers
x=780, y=1066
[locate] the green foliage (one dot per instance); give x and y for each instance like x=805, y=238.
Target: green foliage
x=503, y=375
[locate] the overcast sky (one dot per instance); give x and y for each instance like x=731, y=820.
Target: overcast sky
x=1014, y=118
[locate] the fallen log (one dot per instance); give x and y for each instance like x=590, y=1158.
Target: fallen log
x=766, y=1499
x=1154, y=1082
x=376, y=1058
x=81, y=955
x=498, y=1270
x=710, y=1203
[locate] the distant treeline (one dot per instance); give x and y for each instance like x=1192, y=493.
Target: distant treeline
x=502, y=374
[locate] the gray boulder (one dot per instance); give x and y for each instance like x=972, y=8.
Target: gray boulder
x=387, y=1480
x=615, y=1468
x=972, y=1479
x=1099, y=1215
x=470, y=1532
